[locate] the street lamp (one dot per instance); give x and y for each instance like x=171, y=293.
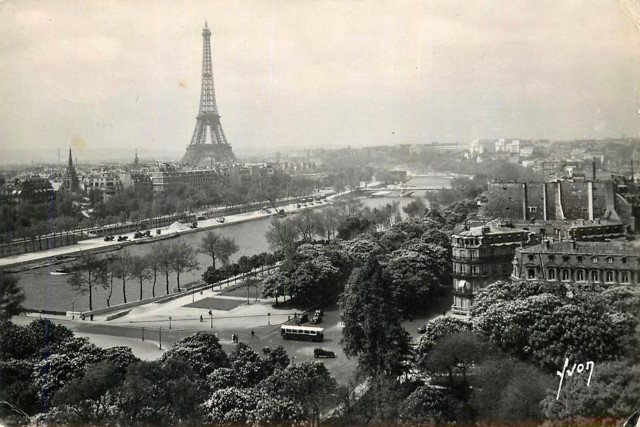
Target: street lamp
x=169, y=322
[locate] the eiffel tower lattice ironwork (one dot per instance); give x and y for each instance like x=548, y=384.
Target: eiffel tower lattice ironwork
x=208, y=143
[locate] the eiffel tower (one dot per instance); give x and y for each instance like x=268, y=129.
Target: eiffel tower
x=208, y=144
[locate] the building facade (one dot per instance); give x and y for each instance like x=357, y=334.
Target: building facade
x=482, y=255
x=607, y=263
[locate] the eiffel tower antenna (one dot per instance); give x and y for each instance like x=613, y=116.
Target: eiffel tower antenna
x=208, y=142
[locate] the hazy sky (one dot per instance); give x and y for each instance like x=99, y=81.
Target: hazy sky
x=120, y=74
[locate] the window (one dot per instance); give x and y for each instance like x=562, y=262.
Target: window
x=566, y=258
x=531, y=257
x=566, y=275
x=608, y=276
x=594, y=259
x=579, y=258
x=624, y=260
x=551, y=274
x=551, y=257
x=609, y=260
x=531, y=273
x=580, y=275
x=595, y=276
x=624, y=277
x=533, y=209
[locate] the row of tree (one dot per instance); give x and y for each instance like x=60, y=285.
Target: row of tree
x=42, y=365
x=414, y=252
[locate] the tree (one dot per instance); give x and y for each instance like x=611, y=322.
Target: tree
x=89, y=397
x=612, y=392
x=416, y=208
x=160, y=392
x=281, y=236
x=431, y=405
x=372, y=332
x=309, y=383
x=88, y=272
x=417, y=273
x=248, y=365
x=217, y=247
x=201, y=351
x=123, y=270
x=11, y=297
x=154, y=259
x=458, y=352
x=546, y=322
x=509, y=390
x=184, y=260
x=435, y=331
x=164, y=258
x=140, y=270
x=306, y=223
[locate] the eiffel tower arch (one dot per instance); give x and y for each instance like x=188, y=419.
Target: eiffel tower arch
x=208, y=143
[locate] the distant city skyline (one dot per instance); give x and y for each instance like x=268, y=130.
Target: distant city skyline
x=106, y=77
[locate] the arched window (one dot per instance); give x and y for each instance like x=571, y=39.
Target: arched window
x=624, y=277
x=566, y=274
x=595, y=276
x=580, y=275
x=608, y=276
x=609, y=260
x=594, y=259
x=551, y=274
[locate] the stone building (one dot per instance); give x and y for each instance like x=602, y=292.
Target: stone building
x=560, y=200
x=609, y=263
x=482, y=255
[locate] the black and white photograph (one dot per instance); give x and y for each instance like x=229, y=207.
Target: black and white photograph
x=320, y=212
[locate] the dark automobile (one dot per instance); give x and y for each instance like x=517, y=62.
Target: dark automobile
x=321, y=352
x=108, y=238
x=138, y=235
x=316, y=320
x=266, y=350
x=422, y=329
x=302, y=319
x=123, y=238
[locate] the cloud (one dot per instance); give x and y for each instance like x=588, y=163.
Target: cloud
x=315, y=72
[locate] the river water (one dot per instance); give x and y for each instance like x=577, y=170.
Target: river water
x=46, y=290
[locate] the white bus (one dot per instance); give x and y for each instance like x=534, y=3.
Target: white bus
x=301, y=332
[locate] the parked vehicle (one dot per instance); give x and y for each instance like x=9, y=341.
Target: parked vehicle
x=108, y=238
x=302, y=319
x=322, y=352
x=123, y=238
x=138, y=235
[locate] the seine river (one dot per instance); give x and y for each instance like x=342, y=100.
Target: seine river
x=46, y=291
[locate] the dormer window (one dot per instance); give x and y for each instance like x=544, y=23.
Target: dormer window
x=594, y=259
x=552, y=257
x=579, y=258
x=609, y=260
x=624, y=260
x=531, y=257
x=566, y=257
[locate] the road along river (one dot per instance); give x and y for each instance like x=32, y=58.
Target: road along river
x=47, y=290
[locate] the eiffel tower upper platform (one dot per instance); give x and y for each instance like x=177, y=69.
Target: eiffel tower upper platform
x=208, y=143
